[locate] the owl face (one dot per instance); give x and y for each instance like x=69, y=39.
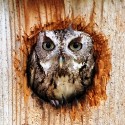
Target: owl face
x=61, y=65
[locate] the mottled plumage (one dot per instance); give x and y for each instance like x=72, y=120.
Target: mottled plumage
x=61, y=65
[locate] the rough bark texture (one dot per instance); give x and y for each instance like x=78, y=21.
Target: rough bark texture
x=20, y=21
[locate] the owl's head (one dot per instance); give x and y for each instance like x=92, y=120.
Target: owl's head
x=61, y=65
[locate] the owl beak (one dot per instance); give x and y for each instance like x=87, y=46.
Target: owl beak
x=61, y=61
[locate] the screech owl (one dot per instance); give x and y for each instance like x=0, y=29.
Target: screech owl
x=60, y=66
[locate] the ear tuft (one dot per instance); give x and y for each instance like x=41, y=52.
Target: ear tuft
x=70, y=28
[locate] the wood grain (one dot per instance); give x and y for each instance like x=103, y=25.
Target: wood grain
x=19, y=18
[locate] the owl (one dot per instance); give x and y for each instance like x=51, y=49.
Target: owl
x=61, y=65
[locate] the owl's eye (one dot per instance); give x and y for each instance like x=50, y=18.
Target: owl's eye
x=75, y=46
x=48, y=46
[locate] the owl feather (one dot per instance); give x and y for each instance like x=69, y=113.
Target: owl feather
x=60, y=66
